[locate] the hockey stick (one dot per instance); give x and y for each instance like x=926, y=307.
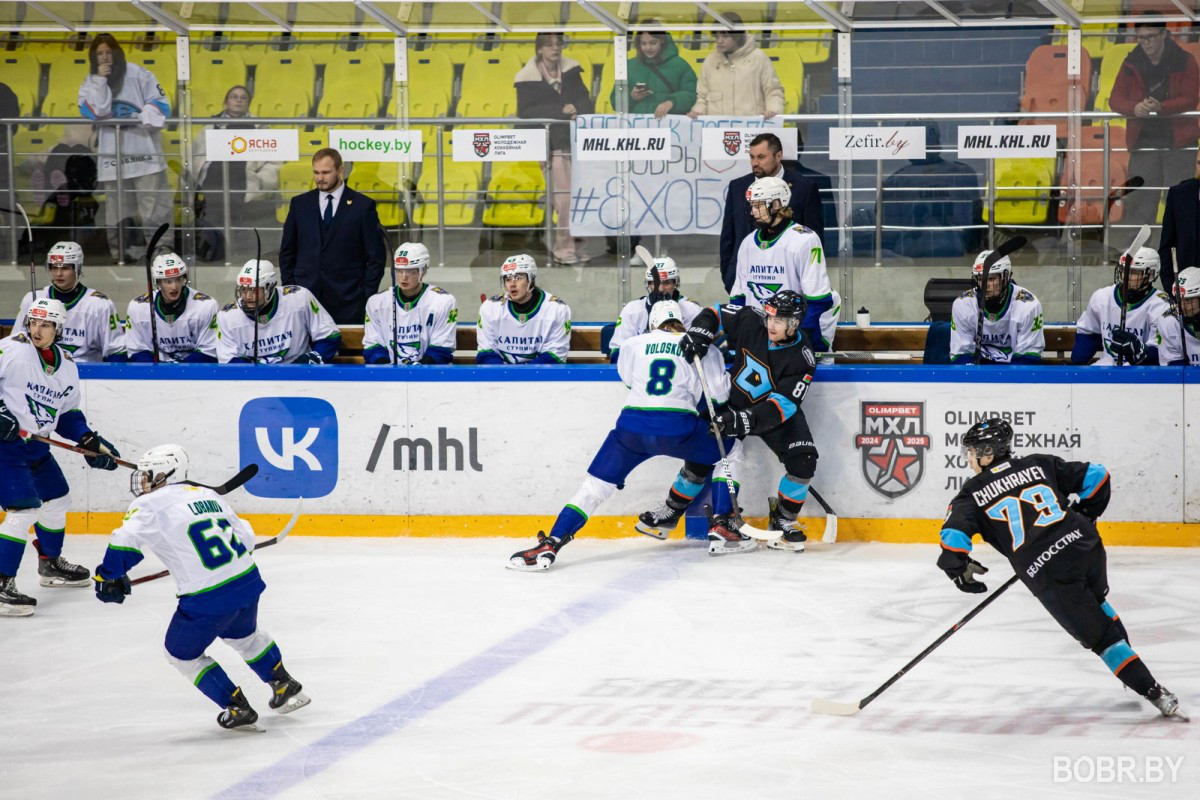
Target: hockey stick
x=32, y=263
x=1006, y=248
x=257, y=309
x=837, y=709
x=276, y=539
x=1178, y=302
x=394, y=345
x=747, y=529
x=154, y=240
x=83, y=451
x=831, y=518
x=648, y=260
x=1120, y=192
x=1126, y=262
x=247, y=472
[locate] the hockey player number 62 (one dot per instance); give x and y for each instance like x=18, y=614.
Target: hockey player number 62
x=212, y=549
x=1008, y=510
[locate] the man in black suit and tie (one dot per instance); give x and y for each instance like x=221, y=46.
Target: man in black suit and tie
x=332, y=244
x=766, y=159
x=1180, y=229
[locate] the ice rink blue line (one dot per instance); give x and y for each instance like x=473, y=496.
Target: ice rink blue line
x=395, y=715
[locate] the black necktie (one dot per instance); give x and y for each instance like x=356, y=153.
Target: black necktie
x=327, y=217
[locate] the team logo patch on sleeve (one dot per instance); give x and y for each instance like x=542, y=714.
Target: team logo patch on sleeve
x=893, y=444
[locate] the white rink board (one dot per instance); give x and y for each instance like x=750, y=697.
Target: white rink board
x=535, y=438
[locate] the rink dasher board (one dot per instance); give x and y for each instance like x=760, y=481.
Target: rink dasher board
x=526, y=435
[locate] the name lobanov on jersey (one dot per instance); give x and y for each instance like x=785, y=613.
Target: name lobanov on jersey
x=40, y=396
x=1015, y=332
x=92, y=332
x=1103, y=316
x=179, y=336
x=660, y=379
x=542, y=335
x=424, y=327
x=292, y=323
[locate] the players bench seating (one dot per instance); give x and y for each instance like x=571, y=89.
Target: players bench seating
x=585, y=343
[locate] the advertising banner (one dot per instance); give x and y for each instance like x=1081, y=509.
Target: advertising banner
x=724, y=144
x=497, y=144
x=252, y=144
x=874, y=143
x=387, y=146
x=1006, y=141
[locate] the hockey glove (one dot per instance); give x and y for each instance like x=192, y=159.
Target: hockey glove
x=1127, y=344
x=311, y=357
x=102, y=447
x=964, y=578
x=695, y=343
x=734, y=423
x=10, y=429
x=112, y=591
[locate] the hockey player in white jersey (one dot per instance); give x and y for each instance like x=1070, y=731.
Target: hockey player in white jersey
x=780, y=254
x=1178, y=330
x=293, y=328
x=1012, y=322
x=208, y=550
x=186, y=320
x=526, y=324
x=662, y=283
x=659, y=419
x=93, y=331
x=39, y=394
x=419, y=319
x=1099, y=329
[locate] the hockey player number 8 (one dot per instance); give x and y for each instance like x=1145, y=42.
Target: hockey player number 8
x=662, y=370
x=212, y=549
x=1008, y=510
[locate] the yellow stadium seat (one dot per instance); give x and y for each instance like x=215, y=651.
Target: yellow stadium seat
x=21, y=72
x=460, y=192
x=515, y=196
x=425, y=104
x=295, y=177
x=353, y=85
x=381, y=182
x=283, y=84
x=430, y=70
x=66, y=76
x=214, y=74
x=607, y=78
x=811, y=51
x=1114, y=57
x=249, y=46
x=790, y=69
x=487, y=81
x=161, y=63
x=1022, y=190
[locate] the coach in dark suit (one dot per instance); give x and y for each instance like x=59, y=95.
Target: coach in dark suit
x=766, y=159
x=1180, y=229
x=331, y=244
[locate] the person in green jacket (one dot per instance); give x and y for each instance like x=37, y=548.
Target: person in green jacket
x=660, y=82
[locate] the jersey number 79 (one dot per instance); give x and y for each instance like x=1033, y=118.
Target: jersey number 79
x=1008, y=510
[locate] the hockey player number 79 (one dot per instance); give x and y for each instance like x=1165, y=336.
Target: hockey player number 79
x=1008, y=510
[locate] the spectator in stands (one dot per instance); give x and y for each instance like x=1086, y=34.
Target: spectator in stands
x=252, y=184
x=766, y=160
x=1180, y=231
x=115, y=89
x=737, y=78
x=332, y=243
x=552, y=87
x=660, y=82
x=1158, y=81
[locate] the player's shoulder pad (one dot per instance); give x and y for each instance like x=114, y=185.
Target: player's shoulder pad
x=799, y=228
x=290, y=289
x=20, y=337
x=1163, y=296
x=555, y=299
x=1026, y=296
x=201, y=296
x=66, y=354
x=967, y=295
x=229, y=307
x=99, y=294
x=437, y=289
x=142, y=298
x=809, y=357
x=496, y=298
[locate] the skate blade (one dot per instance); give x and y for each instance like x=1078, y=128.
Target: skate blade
x=654, y=533
x=519, y=565
x=253, y=727
x=721, y=549
x=7, y=610
x=780, y=544
x=299, y=700
x=60, y=583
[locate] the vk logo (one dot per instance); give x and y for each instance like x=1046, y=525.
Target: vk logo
x=294, y=442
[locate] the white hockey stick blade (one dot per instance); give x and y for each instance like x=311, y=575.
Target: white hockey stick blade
x=832, y=708
x=1143, y=236
x=279, y=537
x=759, y=533
x=645, y=256
x=830, y=534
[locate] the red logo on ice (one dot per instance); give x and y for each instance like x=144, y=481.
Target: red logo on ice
x=893, y=444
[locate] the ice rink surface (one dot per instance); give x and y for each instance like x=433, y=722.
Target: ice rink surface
x=632, y=669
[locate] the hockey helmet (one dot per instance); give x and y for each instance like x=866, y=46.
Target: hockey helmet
x=519, y=265
x=168, y=265
x=66, y=254
x=158, y=466
x=1146, y=262
x=767, y=189
x=788, y=305
x=48, y=309
x=662, y=270
x=991, y=437
x=1187, y=294
x=664, y=311
x=1002, y=269
x=256, y=273
x=411, y=255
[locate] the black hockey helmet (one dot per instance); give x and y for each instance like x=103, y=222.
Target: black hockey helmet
x=992, y=437
x=786, y=303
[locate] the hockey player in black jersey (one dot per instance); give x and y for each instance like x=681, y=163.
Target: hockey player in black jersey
x=772, y=369
x=1019, y=505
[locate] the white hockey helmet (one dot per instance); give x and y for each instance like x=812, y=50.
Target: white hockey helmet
x=666, y=269
x=168, y=265
x=522, y=264
x=1002, y=266
x=663, y=311
x=1187, y=294
x=257, y=273
x=48, y=309
x=411, y=255
x=1146, y=261
x=158, y=466
x=768, y=189
x=66, y=254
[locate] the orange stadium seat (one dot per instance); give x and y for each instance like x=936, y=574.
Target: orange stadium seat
x=1091, y=180
x=1047, y=85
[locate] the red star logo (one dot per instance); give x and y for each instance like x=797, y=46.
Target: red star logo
x=892, y=464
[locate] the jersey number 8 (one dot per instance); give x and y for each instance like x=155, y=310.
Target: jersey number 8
x=213, y=551
x=1008, y=510
x=662, y=370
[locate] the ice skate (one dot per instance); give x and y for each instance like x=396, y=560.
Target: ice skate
x=238, y=715
x=286, y=696
x=660, y=522
x=57, y=571
x=724, y=539
x=1166, y=703
x=793, y=538
x=537, y=558
x=12, y=602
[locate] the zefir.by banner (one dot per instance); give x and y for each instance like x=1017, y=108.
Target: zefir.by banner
x=367, y=145
x=622, y=145
x=875, y=143
x=252, y=144
x=1006, y=141
x=498, y=144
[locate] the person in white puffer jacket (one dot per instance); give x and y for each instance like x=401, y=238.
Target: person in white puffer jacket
x=117, y=89
x=737, y=79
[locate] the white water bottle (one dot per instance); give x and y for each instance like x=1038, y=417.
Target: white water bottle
x=863, y=320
